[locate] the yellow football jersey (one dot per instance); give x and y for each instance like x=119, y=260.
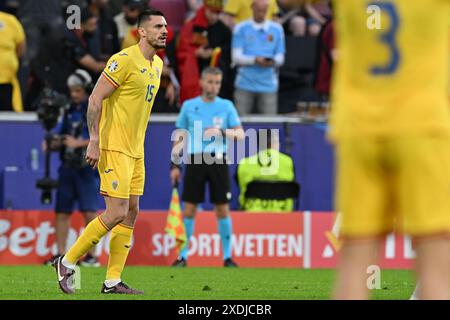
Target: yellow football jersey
x=391, y=77
x=125, y=114
x=11, y=34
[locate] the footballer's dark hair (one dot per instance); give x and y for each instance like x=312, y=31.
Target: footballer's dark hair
x=146, y=14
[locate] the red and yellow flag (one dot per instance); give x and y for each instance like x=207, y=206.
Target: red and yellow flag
x=175, y=224
x=215, y=57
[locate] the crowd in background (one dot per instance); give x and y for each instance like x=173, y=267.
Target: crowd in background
x=261, y=47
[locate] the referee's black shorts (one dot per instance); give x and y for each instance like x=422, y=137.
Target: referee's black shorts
x=199, y=172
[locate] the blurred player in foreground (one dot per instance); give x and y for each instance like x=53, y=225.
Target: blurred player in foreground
x=118, y=114
x=391, y=124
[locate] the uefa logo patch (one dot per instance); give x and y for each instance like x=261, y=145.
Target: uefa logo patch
x=113, y=66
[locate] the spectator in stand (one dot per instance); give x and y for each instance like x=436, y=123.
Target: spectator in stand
x=12, y=48
x=258, y=50
x=107, y=28
x=127, y=22
x=327, y=54
x=83, y=51
x=237, y=11
x=303, y=20
x=166, y=100
x=193, y=6
x=204, y=41
x=39, y=19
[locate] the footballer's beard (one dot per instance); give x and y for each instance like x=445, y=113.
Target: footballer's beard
x=155, y=44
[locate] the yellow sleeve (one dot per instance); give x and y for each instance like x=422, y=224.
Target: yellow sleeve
x=232, y=7
x=116, y=70
x=19, y=35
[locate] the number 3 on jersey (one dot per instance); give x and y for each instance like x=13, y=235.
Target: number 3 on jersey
x=149, y=95
x=388, y=39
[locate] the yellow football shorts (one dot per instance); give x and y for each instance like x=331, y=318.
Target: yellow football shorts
x=400, y=184
x=121, y=175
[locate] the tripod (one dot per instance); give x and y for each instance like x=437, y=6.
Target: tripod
x=47, y=184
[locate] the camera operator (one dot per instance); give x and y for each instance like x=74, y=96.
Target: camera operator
x=77, y=182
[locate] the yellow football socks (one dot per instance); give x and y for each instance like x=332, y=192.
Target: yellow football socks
x=94, y=231
x=119, y=246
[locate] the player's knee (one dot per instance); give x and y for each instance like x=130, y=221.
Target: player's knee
x=119, y=212
x=120, y=216
x=189, y=210
x=190, y=214
x=133, y=208
x=221, y=212
x=132, y=214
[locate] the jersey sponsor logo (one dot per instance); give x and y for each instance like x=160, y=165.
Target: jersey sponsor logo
x=158, y=72
x=108, y=170
x=143, y=70
x=123, y=54
x=113, y=66
x=115, y=184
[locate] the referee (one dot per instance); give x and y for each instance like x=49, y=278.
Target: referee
x=206, y=122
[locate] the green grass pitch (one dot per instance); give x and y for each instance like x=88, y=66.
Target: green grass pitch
x=166, y=283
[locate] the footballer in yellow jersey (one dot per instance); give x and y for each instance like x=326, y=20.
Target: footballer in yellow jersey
x=391, y=123
x=125, y=115
x=118, y=114
x=12, y=48
x=399, y=62
x=136, y=81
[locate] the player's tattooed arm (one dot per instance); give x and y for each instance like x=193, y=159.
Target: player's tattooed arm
x=103, y=89
x=93, y=119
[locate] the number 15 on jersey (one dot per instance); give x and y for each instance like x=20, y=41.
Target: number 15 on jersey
x=149, y=95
